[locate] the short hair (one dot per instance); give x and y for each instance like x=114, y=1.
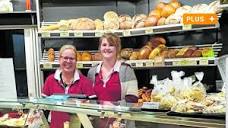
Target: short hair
x=113, y=39
x=67, y=46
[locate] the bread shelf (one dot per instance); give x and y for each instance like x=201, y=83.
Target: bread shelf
x=200, y=61
x=137, y=64
x=125, y=33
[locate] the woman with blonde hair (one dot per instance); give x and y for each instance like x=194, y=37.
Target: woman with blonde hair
x=66, y=80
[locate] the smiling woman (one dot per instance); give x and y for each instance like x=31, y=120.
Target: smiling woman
x=66, y=80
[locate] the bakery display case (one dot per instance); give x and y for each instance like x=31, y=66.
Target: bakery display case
x=150, y=48
x=83, y=108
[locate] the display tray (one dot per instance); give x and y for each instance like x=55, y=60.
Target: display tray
x=221, y=116
x=154, y=110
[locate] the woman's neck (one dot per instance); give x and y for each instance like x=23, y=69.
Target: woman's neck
x=109, y=64
x=67, y=77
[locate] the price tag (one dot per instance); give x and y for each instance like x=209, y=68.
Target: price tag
x=150, y=105
x=99, y=33
x=149, y=64
x=47, y=66
x=149, y=31
x=78, y=34
x=139, y=64
x=126, y=32
x=187, y=27
x=203, y=61
x=64, y=34
x=192, y=62
x=176, y=63
x=45, y=34
x=79, y=65
x=159, y=61
x=108, y=31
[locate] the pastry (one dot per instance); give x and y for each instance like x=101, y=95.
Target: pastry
x=99, y=24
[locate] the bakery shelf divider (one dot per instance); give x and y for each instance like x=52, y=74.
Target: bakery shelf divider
x=124, y=33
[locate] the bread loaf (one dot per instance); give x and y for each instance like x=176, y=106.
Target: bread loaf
x=82, y=24
x=86, y=56
x=144, y=52
x=99, y=24
x=126, y=53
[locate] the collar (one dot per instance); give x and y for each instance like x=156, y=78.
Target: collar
x=116, y=67
x=58, y=72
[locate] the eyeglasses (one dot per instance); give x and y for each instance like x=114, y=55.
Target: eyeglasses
x=66, y=58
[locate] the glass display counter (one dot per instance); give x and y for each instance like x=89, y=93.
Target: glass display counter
x=127, y=111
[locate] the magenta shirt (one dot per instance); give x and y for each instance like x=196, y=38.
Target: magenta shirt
x=112, y=90
x=52, y=85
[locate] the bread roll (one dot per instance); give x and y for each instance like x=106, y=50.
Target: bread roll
x=161, y=21
x=156, y=13
x=138, y=20
x=197, y=53
x=134, y=55
x=167, y=11
x=99, y=24
x=181, y=52
x=82, y=24
x=150, y=21
x=111, y=16
x=175, y=4
x=172, y=53
x=86, y=56
x=125, y=22
x=126, y=53
x=144, y=52
x=51, y=57
x=111, y=25
x=189, y=52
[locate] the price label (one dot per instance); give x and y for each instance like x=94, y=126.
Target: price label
x=159, y=61
x=99, y=33
x=149, y=31
x=151, y=105
x=47, y=66
x=187, y=27
x=203, y=61
x=78, y=34
x=64, y=34
x=126, y=32
x=192, y=62
x=176, y=63
x=45, y=34
x=139, y=64
x=149, y=64
x=108, y=31
x=79, y=65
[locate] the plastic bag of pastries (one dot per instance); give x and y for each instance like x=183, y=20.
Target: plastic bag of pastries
x=167, y=102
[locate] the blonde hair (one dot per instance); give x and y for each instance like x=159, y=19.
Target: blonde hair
x=113, y=39
x=67, y=46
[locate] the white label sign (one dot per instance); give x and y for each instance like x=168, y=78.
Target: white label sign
x=7, y=79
